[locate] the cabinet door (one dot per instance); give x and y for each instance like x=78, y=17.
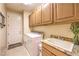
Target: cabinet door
x=46, y=13
x=77, y=11
x=32, y=19
x=46, y=52
x=64, y=12
x=38, y=16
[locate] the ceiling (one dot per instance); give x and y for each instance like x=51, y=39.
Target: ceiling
x=21, y=7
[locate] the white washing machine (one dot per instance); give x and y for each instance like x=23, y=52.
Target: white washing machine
x=32, y=42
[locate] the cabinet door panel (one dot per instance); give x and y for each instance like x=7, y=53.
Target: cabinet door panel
x=68, y=10
x=38, y=16
x=77, y=11
x=46, y=13
x=59, y=12
x=32, y=19
x=45, y=52
x=64, y=12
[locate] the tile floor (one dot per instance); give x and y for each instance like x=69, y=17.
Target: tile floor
x=18, y=51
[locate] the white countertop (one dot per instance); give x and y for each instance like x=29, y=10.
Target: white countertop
x=60, y=44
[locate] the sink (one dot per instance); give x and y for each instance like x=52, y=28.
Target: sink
x=68, y=46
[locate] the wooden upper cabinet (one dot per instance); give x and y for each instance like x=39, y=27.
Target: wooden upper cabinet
x=63, y=12
x=32, y=19
x=38, y=15
x=49, y=13
x=46, y=13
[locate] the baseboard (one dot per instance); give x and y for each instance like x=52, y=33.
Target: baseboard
x=14, y=45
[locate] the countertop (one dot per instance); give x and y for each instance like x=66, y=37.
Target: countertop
x=33, y=35
x=64, y=46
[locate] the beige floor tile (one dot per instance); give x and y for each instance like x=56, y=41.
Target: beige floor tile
x=18, y=51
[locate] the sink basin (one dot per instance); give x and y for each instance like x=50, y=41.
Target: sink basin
x=65, y=45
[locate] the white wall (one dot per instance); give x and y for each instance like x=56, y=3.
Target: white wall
x=26, y=22
x=3, y=39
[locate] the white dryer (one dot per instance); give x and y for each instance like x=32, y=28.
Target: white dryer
x=32, y=42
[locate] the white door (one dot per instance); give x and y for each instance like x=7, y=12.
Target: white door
x=14, y=28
